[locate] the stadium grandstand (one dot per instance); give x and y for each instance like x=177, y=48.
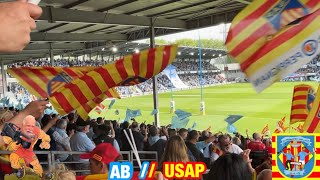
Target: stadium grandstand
x=92, y=33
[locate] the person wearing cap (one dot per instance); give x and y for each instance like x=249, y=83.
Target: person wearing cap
x=100, y=158
x=81, y=142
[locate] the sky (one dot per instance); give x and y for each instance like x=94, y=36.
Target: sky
x=213, y=32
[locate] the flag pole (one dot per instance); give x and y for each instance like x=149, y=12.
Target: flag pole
x=202, y=104
x=172, y=103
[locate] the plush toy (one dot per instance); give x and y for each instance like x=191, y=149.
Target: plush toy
x=22, y=142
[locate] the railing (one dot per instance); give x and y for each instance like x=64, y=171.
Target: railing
x=144, y=156
x=128, y=156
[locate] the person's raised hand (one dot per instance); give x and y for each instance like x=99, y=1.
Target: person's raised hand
x=35, y=108
x=246, y=155
x=17, y=22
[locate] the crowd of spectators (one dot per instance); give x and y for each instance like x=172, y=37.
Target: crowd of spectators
x=224, y=155
x=187, y=65
x=207, y=78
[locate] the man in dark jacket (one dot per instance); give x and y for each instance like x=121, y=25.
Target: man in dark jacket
x=155, y=143
x=191, y=142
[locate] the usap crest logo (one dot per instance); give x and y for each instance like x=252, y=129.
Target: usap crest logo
x=295, y=156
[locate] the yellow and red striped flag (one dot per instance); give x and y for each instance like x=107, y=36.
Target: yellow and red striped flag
x=312, y=123
x=41, y=81
x=265, y=130
x=273, y=38
x=100, y=108
x=301, y=103
x=82, y=92
x=280, y=128
x=299, y=129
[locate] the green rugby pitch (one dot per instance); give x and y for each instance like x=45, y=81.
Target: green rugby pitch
x=258, y=109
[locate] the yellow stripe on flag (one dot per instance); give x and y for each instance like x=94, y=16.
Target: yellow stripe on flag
x=128, y=65
x=158, y=60
x=142, y=64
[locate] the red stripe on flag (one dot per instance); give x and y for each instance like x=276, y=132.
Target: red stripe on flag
x=98, y=101
x=273, y=162
x=78, y=94
x=273, y=139
x=299, y=116
x=297, y=89
x=251, y=39
x=63, y=102
x=315, y=122
x=314, y=175
x=273, y=150
x=299, y=106
x=317, y=162
x=251, y=18
x=317, y=138
x=150, y=63
x=108, y=93
x=106, y=77
x=51, y=70
x=29, y=81
x=318, y=150
x=136, y=63
x=70, y=72
x=312, y=3
x=286, y=36
x=92, y=85
x=276, y=175
x=86, y=107
x=40, y=75
x=166, y=56
x=300, y=97
x=121, y=69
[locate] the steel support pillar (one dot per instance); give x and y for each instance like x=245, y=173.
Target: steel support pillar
x=51, y=54
x=4, y=79
x=154, y=79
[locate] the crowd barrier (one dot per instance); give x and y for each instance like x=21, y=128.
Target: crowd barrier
x=50, y=163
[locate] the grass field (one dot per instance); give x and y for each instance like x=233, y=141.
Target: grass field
x=258, y=109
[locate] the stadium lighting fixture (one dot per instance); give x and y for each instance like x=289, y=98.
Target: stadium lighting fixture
x=103, y=49
x=179, y=53
x=137, y=51
x=220, y=55
x=213, y=55
x=114, y=49
x=204, y=54
x=191, y=53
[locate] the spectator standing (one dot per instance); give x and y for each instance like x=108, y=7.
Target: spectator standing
x=256, y=144
x=65, y=144
x=81, y=142
x=155, y=143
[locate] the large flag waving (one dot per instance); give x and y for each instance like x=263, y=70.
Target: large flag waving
x=43, y=81
x=273, y=38
x=312, y=124
x=84, y=92
x=302, y=99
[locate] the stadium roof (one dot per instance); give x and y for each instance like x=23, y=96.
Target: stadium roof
x=131, y=47
x=73, y=25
